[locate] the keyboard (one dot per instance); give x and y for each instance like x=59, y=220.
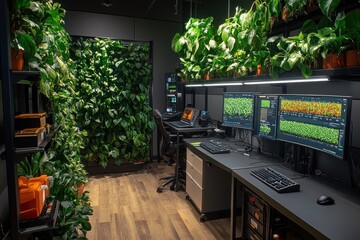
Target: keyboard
x=180, y=124
x=214, y=147
x=275, y=180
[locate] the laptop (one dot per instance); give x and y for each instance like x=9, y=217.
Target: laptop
x=188, y=118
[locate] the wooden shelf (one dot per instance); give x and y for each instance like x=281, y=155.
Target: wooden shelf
x=41, y=148
x=45, y=222
x=25, y=77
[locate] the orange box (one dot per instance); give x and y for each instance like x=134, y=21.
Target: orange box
x=30, y=120
x=32, y=195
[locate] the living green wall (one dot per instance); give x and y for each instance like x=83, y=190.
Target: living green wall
x=114, y=81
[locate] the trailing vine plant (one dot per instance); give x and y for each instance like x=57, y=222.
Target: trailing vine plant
x=114, y=82
x=57, y=83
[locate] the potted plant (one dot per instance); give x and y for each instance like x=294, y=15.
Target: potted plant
x=194, y=46
x=333, y=43
x=352, y=29
x=22, y=43
x=327, y=7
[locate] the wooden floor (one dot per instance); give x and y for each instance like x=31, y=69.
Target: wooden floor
x=127, y=206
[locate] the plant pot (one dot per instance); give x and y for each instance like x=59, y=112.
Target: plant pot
x=80, y=189
x=260, y=70
x=206, y=76
x=17, y=59
x=353, y=58
x=334, y=61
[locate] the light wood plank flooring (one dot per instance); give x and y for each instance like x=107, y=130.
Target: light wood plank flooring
x=127, y=206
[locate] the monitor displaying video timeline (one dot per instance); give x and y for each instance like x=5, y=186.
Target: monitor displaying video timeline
x=238, y=110
x=266, y=107
x=318, y=122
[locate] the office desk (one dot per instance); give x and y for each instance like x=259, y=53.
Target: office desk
x=339, y=221
x=208, y=176
x=193, y=130
x=232, y=160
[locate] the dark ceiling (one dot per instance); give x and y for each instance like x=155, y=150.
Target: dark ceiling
x=168, y=10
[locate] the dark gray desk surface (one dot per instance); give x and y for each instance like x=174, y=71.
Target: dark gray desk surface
x=232, y=160
x=339, y=221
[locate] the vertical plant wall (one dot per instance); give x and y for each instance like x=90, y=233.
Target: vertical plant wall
x=114, y=82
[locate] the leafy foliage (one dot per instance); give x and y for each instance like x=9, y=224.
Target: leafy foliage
x=238, y=107
x=57, y=84
x=328, y=109
x=196, y=47
x=265, y=103
x=114, y=111
x=311, y=131
x=352, y=27
x=265, y=129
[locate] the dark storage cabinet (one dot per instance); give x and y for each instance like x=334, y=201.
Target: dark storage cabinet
x=174, y=93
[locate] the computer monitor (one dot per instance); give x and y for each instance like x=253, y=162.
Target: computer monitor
x=318, y=122
x=266, y=111
x=238, y=110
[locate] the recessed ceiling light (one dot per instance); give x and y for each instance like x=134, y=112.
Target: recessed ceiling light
x=107, y=3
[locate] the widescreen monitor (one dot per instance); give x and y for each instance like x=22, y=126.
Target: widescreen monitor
x=266, y=107
x=318, y=122
x=238, y=110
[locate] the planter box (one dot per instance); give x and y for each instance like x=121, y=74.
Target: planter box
x=30, y=137
x=93, y=168
x=30, y=120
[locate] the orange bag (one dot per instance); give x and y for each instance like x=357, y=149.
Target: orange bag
x=32, y=195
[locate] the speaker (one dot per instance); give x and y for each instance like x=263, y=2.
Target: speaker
x=204, y=118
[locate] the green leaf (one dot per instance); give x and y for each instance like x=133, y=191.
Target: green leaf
x=328, y=6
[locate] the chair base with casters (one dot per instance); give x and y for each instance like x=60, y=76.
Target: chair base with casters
x=171, y=180
x=168, y=147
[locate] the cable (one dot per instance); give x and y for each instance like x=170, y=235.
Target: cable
x=176, y=7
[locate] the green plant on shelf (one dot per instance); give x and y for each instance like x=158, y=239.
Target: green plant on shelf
x=265, y=103
x=310, y=131
x=57, y=83
x=265, y=129
x=195, y=47
x=238, y=107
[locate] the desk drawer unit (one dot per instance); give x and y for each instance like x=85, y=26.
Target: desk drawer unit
x=195, y=161
x=207, y=186
x=194, y=174
x=195, y=192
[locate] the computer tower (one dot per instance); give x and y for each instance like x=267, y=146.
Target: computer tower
x=174, y=93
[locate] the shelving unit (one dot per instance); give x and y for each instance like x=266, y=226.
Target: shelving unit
x=12, y=154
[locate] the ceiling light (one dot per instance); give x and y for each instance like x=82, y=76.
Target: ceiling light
x=287, y=81
x=107, y=3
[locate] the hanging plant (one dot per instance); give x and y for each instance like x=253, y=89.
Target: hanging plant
x=51, y=58
x=195, y=47
x=114, y=81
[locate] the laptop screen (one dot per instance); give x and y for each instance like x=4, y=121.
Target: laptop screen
x=187, y=114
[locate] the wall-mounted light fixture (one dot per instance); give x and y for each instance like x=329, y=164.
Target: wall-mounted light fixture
x=255, y=82
x=286, y=81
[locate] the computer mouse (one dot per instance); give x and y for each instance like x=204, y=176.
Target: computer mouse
x=325, y=200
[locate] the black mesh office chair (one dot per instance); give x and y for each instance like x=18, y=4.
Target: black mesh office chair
x=167, y=151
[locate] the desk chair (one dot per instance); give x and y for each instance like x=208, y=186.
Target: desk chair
x=167, y=150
